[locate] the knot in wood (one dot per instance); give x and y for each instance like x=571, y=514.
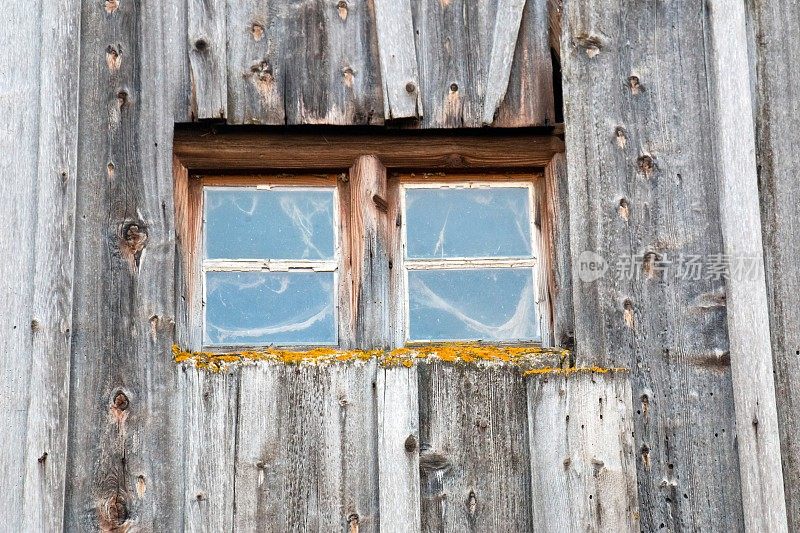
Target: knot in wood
x=134, y=237
x=411, y=443
x=201, y=45
x=122, y=98
x=645, y=164
x=257, y=31
x=634, y=84
x=121, y=401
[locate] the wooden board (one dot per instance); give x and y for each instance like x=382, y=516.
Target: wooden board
x=399, y=73
x=207, y=58
x=303, y=62
x=637, y=104
x=19, y=101
x=209, y=435
x=746, y=294
x=45, y=461
x=125, y=453
x=778, y=133
x=454, y=53
x=474, y=472
x=307, y=449
x=582, y=457
x=260, y=149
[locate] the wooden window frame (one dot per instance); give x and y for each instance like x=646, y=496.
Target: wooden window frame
x=368, y=169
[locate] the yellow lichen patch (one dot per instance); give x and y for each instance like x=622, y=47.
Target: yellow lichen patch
x=525, y=357
x=572, y=370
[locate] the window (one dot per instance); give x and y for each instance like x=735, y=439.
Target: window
x=469, y=262
x=269, y=266
x=362, y=241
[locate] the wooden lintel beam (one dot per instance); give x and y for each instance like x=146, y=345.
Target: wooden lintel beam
x=274, y=149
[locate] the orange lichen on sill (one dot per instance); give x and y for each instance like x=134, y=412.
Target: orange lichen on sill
x=523, y=356
x=571, y=370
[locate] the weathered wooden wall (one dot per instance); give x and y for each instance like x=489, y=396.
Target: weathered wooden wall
x=101, y=430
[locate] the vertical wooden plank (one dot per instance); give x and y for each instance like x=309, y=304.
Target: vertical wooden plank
x=307, y=448
x=582, y=456
x=555, y=230
x=474, y=464
x=504, y=41
x=454, y=53
x=369, y=260
x=398, y=57
x=398, y=449
x=636, y=100
x=777, y=27
x=528, y=99
x=746, y=295
x=207, y=58
x=51, y=315
x=126, y=413
x=20, y=62
x=210, y=441
x=329, y=76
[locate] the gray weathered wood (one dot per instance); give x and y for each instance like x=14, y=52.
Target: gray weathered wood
x=210, y=446
x=207, y=58
x=474, y=469
x=504, y=41
x=636, y=94
x=398, y=449
x=582, y=458
x=307, y=448
x=20, y=62
x=454, y=51
x=45, y=448
x=777, y=26
x=528, y=97
x=125, y=440
x=746, y=295
x=398, y=57
x=302, y=62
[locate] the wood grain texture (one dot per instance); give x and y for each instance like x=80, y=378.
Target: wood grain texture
x=637, y=104
x=778, y=133
x=259, y=149
x=474, y=469
x=582, y=455
x=208, y=58
x=454, y=51
x=210, y=447
x=307, y=449
x=126, y=413
x=20, y=39
x=369, y=260
x=398, y=449
x=303, y=62
x=555, y=232
x=45, y=446
x=504, y=41
x=748, y=315
x=398, y=59
x=528, y=99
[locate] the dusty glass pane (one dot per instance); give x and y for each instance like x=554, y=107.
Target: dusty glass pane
x=244, y=223
x=468, y=222
x=492, y=304
x=257, y=308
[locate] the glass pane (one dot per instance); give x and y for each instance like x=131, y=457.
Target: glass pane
x=491, y=304
x=462, y=222
x=244, y=223
x=257, y=308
